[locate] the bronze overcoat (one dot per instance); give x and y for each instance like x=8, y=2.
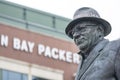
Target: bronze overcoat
x=103, y=62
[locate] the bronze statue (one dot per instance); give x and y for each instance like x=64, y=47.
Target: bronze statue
x=100, y=57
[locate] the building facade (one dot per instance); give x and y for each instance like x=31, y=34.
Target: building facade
x=33, y=46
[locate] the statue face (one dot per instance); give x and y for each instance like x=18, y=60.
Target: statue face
x=84, y=34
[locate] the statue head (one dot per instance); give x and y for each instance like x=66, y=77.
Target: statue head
x=87, y=14
x=87, y=28
x=86, y=34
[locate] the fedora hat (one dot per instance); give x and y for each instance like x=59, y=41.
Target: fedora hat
x=87, y=14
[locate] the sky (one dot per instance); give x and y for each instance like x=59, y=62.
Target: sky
x=108, y=10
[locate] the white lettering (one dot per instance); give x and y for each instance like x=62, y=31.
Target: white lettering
x=47, y=52
x=62, y=55
x=16, y=43
x=55, y=53
x=58, y=54
x=24, y=46
x=69, y=57
x=31, y=46
x=4, y=40
x=41, y=49
x=76, y=58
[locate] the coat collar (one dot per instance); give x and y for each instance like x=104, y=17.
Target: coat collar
x=91, y=57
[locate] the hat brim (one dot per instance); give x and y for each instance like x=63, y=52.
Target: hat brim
x=70, y=26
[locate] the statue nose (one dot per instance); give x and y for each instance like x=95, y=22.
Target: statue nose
x=76, y=35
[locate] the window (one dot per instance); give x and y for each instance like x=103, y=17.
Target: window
x=10, y=75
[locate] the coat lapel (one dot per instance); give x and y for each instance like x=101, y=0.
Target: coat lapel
x=90, y=59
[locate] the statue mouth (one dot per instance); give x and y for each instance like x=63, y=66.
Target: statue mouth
x=79, y=41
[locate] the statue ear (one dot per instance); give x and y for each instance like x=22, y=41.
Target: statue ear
x=100, y=31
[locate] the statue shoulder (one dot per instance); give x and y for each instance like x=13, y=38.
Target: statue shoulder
x=114, y=45
x=116, y=42
x=117, y=64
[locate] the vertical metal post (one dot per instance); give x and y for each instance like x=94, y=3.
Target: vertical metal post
x=25, y=17
x=54, y=22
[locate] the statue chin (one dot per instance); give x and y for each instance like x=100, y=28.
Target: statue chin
x=83, y=46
